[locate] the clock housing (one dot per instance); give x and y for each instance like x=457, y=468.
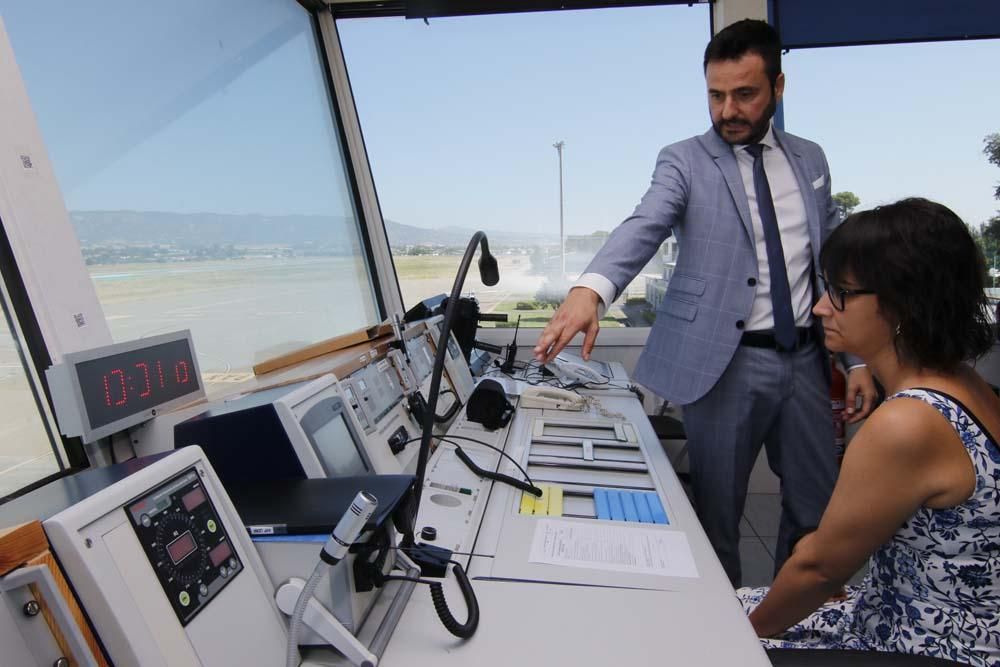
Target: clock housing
x=104, y=390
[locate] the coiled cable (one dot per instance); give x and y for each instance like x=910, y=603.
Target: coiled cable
x=461, y=630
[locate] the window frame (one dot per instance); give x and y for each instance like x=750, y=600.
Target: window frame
x=23, y=327
x=617, y=337
x=43, y=302
x=369, y=212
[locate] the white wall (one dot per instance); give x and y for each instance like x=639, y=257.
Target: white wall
x=35, y=219
x=725, y=12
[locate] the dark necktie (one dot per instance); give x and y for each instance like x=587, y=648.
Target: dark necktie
x=781, y=295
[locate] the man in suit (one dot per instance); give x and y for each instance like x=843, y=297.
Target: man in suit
x=734, y=341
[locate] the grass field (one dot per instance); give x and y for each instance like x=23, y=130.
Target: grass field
x=423, y=267
x=121, y=283
x=422, y=276
x=540, y=317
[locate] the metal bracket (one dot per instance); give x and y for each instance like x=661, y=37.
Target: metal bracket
x=40, y=576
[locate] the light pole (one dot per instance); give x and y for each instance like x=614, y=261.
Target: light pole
x=562, y=243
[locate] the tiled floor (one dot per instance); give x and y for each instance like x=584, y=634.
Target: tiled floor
x=758, y=535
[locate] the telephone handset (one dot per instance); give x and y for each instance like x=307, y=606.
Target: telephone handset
x=551, y=398
x=575, y=368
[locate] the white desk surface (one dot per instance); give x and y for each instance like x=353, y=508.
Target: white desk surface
x=548, y=624
x=689, y=622
x=551, y=624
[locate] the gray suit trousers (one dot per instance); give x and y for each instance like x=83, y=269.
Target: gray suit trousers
x=780, y=400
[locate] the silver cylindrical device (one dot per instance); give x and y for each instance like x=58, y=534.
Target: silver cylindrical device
x=349, y=527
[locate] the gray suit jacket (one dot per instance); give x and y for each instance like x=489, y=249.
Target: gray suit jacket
x=697, y=194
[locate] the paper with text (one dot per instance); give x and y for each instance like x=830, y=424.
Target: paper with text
x=626, y=548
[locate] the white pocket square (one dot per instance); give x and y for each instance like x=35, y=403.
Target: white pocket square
x=819, y=182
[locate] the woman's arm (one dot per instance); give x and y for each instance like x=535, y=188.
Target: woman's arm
x=887, y=474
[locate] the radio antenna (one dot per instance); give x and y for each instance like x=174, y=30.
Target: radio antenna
x=508, y=362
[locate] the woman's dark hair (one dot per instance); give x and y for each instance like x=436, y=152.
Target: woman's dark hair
x=747, y=36
x=928, y=274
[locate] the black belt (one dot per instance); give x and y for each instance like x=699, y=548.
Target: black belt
x=803, y=336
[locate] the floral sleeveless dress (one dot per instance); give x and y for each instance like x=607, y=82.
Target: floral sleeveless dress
x=934, y=588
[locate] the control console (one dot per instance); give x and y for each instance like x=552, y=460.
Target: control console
x=187, y=546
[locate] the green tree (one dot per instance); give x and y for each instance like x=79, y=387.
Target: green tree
x=989, y=239
x=846, y=202
x=552, y=292
x=992, y=152
x=989, y=231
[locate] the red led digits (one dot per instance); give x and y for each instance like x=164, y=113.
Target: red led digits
x=134, y=384
x=181, y=372
x=145, y=373
x=121, y=378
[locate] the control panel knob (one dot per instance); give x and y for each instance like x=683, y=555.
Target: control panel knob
x=428, y=533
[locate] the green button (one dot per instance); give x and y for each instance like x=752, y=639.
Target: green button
x=184, y=598
x=211, y=525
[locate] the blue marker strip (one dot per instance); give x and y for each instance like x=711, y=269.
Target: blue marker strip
x=601, y=504
x=628, y=505
x=318, y=539
x=656, y=509
x=642, y=508
x=615, y=503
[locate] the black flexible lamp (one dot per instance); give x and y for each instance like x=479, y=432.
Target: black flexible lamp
x=489, y=273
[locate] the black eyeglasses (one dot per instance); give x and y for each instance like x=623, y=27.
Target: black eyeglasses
x=838, y=294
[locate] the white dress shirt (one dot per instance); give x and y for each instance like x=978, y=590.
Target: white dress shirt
x=790, y=210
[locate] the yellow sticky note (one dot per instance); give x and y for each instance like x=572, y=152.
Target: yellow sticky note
x=527, y=503
x=542, y=501
x=555, y=494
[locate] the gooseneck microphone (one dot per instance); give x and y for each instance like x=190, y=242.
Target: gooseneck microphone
x=343, y=536
x=489, y=273
x=349, y=527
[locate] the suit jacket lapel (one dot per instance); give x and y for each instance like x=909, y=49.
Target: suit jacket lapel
x=725, y=160
x=797, y=161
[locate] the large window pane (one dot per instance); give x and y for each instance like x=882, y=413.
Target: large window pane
x=196, y=149
x=460, y=118
x=26, y=453
x=902, y=120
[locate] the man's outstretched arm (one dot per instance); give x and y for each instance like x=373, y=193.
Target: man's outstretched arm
x=577, y=313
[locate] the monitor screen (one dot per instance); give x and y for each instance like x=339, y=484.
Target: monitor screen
x=336, y=447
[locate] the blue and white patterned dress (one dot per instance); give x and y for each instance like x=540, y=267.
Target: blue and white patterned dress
x=934, y=588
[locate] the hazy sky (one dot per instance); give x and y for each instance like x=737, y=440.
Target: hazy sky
x=220, y=106
x=460, y=123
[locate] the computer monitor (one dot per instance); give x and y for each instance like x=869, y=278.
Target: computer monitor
x=332, y=439
x=455, y=366
x=319, y=416
x=291, y=432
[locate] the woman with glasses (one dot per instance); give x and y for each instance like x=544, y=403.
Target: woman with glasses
x=918, y=495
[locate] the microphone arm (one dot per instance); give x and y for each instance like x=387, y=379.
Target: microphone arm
x=490, y=274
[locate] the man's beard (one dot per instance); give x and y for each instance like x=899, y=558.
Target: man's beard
x=757, y=130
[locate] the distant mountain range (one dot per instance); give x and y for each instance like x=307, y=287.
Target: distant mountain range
x=400, y=234
x=337, y=234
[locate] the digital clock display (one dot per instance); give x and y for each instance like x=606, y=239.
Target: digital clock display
x=123, y=384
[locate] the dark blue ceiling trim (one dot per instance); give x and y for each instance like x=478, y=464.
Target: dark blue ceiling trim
x=812, y=23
